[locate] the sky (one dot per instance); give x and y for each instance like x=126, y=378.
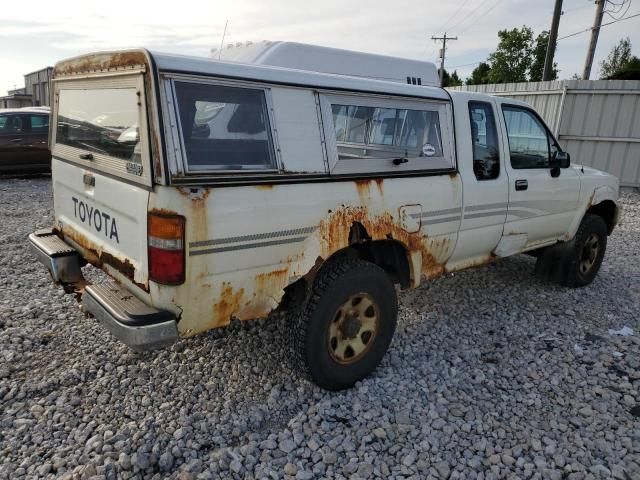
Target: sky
x=39, y=33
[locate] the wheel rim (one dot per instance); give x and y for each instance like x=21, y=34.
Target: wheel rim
x=589, y=255
x=353, y=329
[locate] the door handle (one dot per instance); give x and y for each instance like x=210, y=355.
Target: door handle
x=522, y=184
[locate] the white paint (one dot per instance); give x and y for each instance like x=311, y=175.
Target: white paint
x=331, y=60
x=246, y=242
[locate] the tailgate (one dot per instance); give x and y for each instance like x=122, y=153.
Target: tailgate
x=104, y=218
x=101, y=161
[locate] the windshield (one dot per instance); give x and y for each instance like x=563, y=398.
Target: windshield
x=104, y=121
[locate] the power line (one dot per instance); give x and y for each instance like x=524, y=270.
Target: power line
x=621, y=5
x=475, y=21
x=603, y=25
x=560, y=38
x=466, y=64
x=444, y=25
x=470, y=14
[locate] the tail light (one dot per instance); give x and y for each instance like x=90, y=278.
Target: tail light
x=166, y=248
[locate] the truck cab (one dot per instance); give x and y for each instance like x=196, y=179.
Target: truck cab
x=218, y=189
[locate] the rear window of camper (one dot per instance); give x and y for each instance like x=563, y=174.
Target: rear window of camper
x=103, y=121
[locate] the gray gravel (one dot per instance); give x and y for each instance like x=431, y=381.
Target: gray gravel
x=492, y=374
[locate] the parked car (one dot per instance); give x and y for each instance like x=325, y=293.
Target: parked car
x=24, y=134
x=250, y=188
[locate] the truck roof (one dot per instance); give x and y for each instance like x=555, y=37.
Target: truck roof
x=166, y=62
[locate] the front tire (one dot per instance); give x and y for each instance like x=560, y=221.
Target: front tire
x=585, y=258
x=346, y=326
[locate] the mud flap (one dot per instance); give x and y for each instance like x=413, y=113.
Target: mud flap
x=553, y=262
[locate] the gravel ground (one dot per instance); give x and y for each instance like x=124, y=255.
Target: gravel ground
x=492, y=374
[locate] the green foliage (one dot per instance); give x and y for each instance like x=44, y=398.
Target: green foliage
x=617, y=61
x=513, y=58
x=631, y=71
x=539, y=54
x=518, y=58
x=480, y=75
x=450, y=80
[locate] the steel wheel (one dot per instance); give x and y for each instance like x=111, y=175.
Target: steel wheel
x=589, y=254
x=353, y=328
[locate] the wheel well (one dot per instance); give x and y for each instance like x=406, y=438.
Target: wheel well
x=607, y=210
x=390, y=255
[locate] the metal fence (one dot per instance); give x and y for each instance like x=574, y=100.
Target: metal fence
x=596, y=121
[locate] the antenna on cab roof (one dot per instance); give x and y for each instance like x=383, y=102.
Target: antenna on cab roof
x=224, y=34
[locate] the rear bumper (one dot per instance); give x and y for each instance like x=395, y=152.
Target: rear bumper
x=128, y=318
x=62, y=260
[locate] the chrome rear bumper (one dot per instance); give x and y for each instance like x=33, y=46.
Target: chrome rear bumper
x=128, y=318
x=62, y=260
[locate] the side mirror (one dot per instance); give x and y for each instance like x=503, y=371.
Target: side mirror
x=560, y=160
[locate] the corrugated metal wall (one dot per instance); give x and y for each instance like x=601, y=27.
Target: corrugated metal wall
x=596, y=121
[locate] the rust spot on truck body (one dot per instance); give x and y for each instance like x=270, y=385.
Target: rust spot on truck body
x=162, y=211
x=380, y=185
x=101, y=62
x=197, y=195
x=228, y=302
x=96, y=256
x=255, y=302
x=364, y=190
x=334, y=235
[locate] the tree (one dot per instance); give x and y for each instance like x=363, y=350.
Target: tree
x=631, y=71
x=512, y=59
x=539, y=53
x=450, y=80
x=617, y=60
x=479, y=75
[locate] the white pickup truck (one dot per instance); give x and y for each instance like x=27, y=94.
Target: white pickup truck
x=302, y=179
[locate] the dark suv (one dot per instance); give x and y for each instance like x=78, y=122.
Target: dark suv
x=24, y=136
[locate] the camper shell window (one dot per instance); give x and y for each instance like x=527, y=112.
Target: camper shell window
x=100, y=120
x=224, y=128
x=380, y=135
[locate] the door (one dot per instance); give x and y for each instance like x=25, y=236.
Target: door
x=542, y=201
x=13, y=151
x=39, y=154
x=101, y=163
x=485, y=183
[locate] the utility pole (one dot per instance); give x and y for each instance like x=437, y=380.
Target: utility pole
x=443, y=52
x=553, y=39
x=595, y=31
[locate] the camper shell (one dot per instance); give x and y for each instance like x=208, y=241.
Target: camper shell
x=210, y=189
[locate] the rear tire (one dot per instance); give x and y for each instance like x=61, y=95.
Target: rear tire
x=589, y=245
x=342, y=332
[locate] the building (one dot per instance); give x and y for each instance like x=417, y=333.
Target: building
x=35, y=92
x=17, y=98
x=37, y=84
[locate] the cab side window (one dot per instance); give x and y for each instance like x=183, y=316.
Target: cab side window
x=11, y=124
x=529, y=144
x=484, y=141
x=39, y=123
